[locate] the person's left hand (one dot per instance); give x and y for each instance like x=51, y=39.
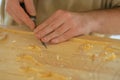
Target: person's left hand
x=62, y=26
x=21, y=16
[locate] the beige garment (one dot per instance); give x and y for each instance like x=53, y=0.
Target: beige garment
x=46, y=8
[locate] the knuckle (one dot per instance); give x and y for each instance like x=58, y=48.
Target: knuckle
x=48, y=30
x=58, y=32
x=53, y=26
x=48, y=38
x=54, y=34
x=59, y=11
x=67, y=14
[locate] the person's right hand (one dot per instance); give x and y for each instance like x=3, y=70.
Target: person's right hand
x=17, y=12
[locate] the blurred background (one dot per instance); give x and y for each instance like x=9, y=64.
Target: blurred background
x=0, y=9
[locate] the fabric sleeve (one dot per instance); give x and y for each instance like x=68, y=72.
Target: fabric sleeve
x=115, y=3
x=106, y=4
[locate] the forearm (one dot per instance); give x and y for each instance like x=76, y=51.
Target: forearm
x=105, y=21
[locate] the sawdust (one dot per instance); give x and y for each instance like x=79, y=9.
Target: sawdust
x=3, y=35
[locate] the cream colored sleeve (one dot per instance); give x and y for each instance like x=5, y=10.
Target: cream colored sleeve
x=106, y=4
x=115, y=3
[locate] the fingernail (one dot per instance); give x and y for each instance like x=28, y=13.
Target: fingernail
x=32, y=25
x=45, y=39
x=54, y=41
x=33, y=13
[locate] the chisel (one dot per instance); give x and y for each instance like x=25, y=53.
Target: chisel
x=34, y=20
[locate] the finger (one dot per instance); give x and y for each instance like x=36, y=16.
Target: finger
x=66, y=36
x=24, y=17
x=20, y=14
x=53, y=26
x=29, y=5
x=58, y=32
x=49, y=20
x=14, y=16
x=50, y=28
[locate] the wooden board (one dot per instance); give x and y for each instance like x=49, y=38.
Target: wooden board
x=22, y=57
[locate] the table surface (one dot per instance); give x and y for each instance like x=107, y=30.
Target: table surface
x=22, y=57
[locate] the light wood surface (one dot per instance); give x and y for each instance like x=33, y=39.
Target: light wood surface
x=86, y=58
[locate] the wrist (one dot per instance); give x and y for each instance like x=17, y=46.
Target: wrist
x=93, y=22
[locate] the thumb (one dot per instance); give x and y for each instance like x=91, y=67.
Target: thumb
x=30, y=8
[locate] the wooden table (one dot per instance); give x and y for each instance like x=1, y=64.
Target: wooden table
x=22, y=57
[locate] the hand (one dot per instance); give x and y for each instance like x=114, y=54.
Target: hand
x=62, y=26
x=17, y=12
